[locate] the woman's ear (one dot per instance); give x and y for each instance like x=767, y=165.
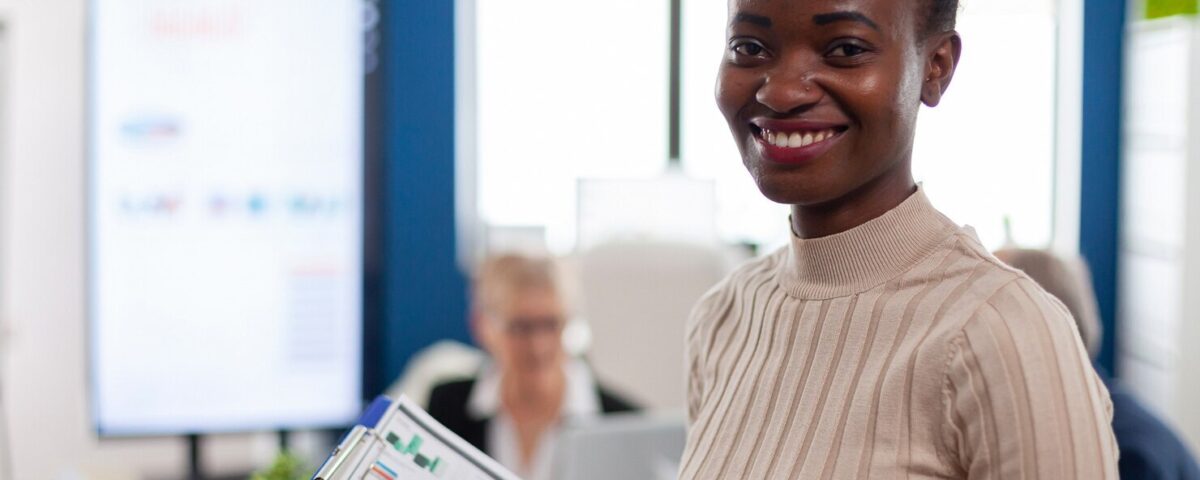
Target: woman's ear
x=939, y=69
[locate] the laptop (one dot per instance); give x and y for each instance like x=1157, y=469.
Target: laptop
x=633, y=446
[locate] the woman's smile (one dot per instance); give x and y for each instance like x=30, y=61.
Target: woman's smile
x=794, y=141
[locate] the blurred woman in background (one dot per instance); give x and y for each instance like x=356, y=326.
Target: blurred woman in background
x=512, y=409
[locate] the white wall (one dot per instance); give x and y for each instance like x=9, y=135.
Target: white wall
x=1160, y=244
x=44, y=357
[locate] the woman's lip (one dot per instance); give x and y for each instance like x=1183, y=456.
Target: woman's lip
x=798, y=155
x=793, y=125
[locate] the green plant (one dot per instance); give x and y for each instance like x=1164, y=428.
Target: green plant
x=285, y=467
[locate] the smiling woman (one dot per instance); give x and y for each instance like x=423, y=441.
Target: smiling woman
x=884, y=341
x=852, y=63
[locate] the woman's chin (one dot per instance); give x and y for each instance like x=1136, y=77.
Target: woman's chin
x=790, y=191
x=538, y=375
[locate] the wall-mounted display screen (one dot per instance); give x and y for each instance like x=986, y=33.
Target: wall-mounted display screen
x=225, y=225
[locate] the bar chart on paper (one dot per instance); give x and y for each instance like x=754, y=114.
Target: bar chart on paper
x=405, y=453
x=412, y=452
x=397, y=440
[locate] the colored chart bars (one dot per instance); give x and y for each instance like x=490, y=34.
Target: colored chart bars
x=413, y=447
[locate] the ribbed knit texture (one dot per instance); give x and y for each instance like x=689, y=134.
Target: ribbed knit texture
x=898, y=349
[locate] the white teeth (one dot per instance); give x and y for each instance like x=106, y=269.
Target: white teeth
x=796, y=139
x=793, y=140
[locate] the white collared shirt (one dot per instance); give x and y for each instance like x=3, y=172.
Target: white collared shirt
x=581, y=400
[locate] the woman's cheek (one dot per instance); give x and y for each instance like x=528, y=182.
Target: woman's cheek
x=736, y=87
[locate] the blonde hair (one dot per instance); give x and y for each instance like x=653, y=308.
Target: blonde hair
x=501, y=278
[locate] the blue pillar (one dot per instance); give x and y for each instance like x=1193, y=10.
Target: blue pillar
x=423, y=291
x=1099, y=222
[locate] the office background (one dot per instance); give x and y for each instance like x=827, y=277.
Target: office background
x=446, y=175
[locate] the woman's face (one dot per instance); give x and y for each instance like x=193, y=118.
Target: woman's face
x=822, y=95
x=525, y=336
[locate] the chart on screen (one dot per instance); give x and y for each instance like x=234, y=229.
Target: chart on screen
x=225, y=228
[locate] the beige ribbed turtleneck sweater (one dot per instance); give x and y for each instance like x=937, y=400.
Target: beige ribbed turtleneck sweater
x=898, y=349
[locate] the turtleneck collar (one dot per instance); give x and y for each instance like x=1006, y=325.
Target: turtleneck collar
x=865, y=256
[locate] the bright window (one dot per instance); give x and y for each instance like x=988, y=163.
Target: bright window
x=567, y=90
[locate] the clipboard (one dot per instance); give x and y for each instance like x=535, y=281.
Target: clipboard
x=396, y=439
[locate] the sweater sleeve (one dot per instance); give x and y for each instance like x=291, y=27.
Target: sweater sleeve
x=696, y=346
x=1021, y=398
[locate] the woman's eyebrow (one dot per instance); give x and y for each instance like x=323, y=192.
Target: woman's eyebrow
x=752, y=19
x=848, y=16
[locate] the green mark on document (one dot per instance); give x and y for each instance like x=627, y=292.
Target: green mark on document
x=413, y=447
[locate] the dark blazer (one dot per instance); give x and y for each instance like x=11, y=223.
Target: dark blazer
x=1150, y=450
x=448, y=405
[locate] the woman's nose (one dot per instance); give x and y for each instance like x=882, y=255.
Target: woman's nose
x=546, y=344
x=787, y=89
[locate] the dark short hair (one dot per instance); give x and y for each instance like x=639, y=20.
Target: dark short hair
x=943, y=14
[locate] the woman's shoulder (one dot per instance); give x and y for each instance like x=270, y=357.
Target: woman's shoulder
x=982, y=276
x=751, y=271
x=755, y=271
x=1021, y=302
x=448, y=404
x=449, y=399
x=998, y=301
x=981, y=295
x=1007, y=291
x=457, y=388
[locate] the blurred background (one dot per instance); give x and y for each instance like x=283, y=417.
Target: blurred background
x=224, y=225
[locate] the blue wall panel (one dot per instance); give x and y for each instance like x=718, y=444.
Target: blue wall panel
x=423, y=291
x=1099, y=223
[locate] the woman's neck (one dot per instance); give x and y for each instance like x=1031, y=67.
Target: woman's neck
x=868, y=202
x=522, y=397
x=534, y=407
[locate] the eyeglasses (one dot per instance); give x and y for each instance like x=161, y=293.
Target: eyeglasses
x=530, y=326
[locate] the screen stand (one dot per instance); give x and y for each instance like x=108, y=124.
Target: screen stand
x=284, y=441
x=195, y=465
x=195, y=472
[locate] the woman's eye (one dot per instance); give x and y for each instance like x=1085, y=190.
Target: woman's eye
x=847, y=50
x=748, y=49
